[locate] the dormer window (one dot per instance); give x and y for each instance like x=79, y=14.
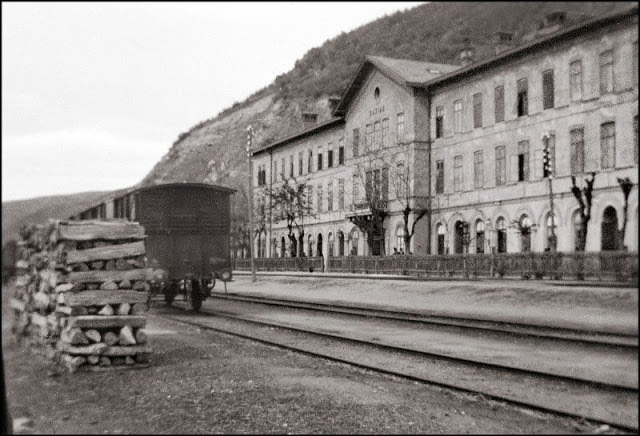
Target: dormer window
x=376, y=94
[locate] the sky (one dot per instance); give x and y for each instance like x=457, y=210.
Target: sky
x=94, y=94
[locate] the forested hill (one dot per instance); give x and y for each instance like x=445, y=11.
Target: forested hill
x=213, y=150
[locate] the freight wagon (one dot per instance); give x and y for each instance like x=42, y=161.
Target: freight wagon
x=188, y=234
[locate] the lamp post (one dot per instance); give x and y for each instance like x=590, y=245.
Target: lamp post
x=249, y=144
x=547, y=160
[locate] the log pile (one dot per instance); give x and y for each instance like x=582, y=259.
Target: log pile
x=95, y=294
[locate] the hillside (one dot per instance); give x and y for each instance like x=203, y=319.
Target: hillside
x=214, y=149
x=38, y=210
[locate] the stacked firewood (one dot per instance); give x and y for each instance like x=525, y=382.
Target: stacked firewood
x=97, y=292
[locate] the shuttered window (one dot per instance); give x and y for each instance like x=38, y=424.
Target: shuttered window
x=477, y=110
x=575, y=80
x=547, y=89
x=606, y=72
x=608, y=144
x=523, y=99
x=439, y=177
x=439, y=122
x=499, y=103
x=400, y=128
x=478, y=170
x=356, y=141
x=501, y=165
x=457, y=173
x=577, y=150
x=457, y=116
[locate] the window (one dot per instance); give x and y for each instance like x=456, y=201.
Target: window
x=577, y=229
x=310, y=196
x=367, y=138
x=457, y=116
x=300, y=160
x=606, y=72
x=525, y=234
x=479, y=236
x=439, y=122
x=376, y=135
x=523, y=102
x=341, y=151
x=575, y=80
x=501, y=231
x=283, y=169
x=440, y=232
x=356, y=141
x=274, y=176
x=356, y=190
x=385, y=132
x=402, y=182
x=547, y=89
x=261, y=175
x=635, y=139
x=400, y=128
x=400, y=245
x=319, y=193
x=523, y=161
x=340, y=194
x=478, y=170
x=577, y=150
x=310, y=162
x=320, y=158
x=477, y=110
x=330, y=156
x=552, y=158
x=330, y=196
x=608, y=145
x=330, y=244
x=384, y=188
x=354, y=237
x=501, y=165
x=291, y=166
x=439, y=177
x=499, y=103
x=457, y=173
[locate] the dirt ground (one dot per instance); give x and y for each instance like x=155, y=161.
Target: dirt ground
x=205, y=382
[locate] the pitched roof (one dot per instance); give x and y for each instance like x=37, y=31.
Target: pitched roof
x=404, y=72
x=526, y=49
x=303, y=134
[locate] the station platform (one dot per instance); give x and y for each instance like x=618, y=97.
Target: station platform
x=605, y=307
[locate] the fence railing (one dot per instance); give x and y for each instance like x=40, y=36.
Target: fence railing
x=607, y=265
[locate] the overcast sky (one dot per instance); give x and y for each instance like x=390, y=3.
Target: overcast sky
x=94, y=94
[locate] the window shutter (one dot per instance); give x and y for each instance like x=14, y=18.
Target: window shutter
x=513, y=168
x=537, y=164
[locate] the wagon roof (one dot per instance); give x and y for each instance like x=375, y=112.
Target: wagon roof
x=189, y=185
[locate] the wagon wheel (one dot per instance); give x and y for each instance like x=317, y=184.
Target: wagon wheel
x=196, y=295
x=170, y=293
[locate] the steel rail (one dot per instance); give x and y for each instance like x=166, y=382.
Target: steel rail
x=498, y=397
x=516, y=329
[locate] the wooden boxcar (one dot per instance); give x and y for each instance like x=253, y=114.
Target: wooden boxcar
x=188, y=234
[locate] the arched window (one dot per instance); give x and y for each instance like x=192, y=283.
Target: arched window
x=441, y=235
x=283, y=251
x=353, y=237
x=262, y=245
x=402, y=182
x=330, y=247
x=479, y=236
x=525, y=233
x=274, y=248
x=459, y=241
x=400, y=245
x=609, y=229
x=294, y=247
x=552, y=231
x=340, y=243
x=319, y=253
x=501, y=234
x=310, y=245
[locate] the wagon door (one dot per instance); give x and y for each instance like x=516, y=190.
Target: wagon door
x=186, y=238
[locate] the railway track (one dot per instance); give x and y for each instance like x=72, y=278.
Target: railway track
x=517, y=329
x=600, y=402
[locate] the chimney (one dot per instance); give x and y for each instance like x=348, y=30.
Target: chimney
x=552, y=22
x=502, y=41
x=333, y=103
x=467, y=54
x=309, y=119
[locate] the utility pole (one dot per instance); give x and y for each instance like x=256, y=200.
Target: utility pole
x=547, y=160
x=249, y=145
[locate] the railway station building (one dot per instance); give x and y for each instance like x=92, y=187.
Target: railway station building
x=465, y=145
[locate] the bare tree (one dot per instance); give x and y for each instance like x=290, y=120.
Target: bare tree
x=290, y=201
x=411, y=204
x=584, y=197
x=625, y=186
x=372, y=173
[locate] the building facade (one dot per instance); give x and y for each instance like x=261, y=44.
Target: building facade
x=465, y=145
